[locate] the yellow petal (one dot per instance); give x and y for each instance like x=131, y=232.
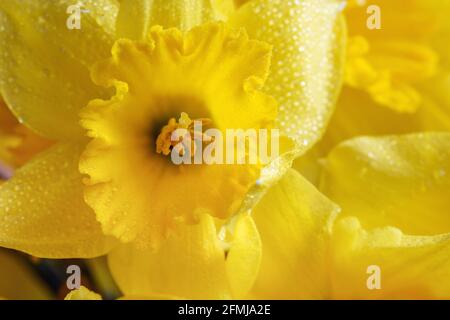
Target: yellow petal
x=308, y=41
x=136, y=17
x=294, y=221
x=191, y=263
x=441, y=36
x=388, y=70
x=133, y=19
x=410, y=267
x=243, y=260
x=402, y=181
x=42, y=211
x=435, y=113
x=82, y=294
x=351, y=119
x=224, y=8
x=17, y=279
x=44, y=66
x=309, y=165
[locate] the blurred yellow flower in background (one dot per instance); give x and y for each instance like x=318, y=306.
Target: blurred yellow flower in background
x=397, y=78
x=394, y=196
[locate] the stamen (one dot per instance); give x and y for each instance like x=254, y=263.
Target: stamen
x=164, y=143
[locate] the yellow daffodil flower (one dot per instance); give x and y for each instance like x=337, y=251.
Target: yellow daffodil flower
x=184, y=231
x=397, y=77
x=391, y=193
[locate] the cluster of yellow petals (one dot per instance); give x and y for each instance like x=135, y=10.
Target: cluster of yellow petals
x=373, y=161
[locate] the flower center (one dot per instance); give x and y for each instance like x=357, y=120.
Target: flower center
x=192, y=131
